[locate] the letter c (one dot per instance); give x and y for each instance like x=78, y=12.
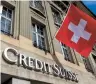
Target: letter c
x=5, y=55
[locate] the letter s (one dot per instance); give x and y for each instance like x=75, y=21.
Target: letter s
x=56, y=71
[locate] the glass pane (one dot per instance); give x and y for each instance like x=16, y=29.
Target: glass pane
x=3, y=20
x=38, y=30
x=65, y=52
x=8, y=23
x=10, y=11
x=66, y=55
x=39, y=43
x=42, y=39
x=9, y=15
x=41, y=31
x=8, y=26
x=4, y=12
x=43, y=45
x=34, y=37
x=2, y=23
x=33, y=28
x=34, y=40
x=56, y=16
x=2, y=26
x=39, y=40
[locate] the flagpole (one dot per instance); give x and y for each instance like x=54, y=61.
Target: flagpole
x=50, y=33
x=58, y=30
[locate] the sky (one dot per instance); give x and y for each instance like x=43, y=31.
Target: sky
x=91, y=5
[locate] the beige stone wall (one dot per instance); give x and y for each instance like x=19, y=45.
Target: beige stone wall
x=26, y=44
x=84, y=77
x=23, y=17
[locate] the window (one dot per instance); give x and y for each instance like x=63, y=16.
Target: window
x=63, y=5
x=6, y=20
x=66, y=52
x=38, y=36
x=37, y=6
x=87, y=64
x=56, y=17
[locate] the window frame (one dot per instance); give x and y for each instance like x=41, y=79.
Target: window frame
x=32, y=5
x=11, y=19
x=60, y=14
x=63, y=50
x=87, y=64
x=37, y=36
x=70, y=59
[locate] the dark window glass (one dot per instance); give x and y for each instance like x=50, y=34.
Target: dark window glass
x=56, y=17
x=38, y=36
x=67, y=53
x=6, y=20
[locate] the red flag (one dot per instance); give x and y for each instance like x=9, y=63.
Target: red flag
x=78, y=31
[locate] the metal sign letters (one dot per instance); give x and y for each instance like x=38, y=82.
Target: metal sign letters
x=37, y=65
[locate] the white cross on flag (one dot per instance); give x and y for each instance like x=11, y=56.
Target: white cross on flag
x=78, y=31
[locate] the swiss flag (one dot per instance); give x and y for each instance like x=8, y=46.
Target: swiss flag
x=78, y=31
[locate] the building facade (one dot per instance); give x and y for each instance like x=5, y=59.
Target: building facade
x=30, y=54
